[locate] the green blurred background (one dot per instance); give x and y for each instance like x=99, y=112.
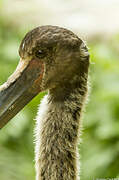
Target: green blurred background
x=99, y=146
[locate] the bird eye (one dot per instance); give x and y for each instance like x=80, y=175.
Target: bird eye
x=40, y=54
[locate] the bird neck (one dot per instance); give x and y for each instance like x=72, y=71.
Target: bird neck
x=57, y=130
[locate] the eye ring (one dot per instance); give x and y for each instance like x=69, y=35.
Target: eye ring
x=40, y=54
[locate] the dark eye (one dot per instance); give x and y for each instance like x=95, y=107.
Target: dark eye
x=40, y=54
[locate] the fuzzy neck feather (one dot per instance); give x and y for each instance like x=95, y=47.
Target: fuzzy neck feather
x=57, y=130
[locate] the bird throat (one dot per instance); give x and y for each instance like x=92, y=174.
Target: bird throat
x=57, y=132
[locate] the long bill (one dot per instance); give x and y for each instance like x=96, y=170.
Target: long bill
x=21, y=87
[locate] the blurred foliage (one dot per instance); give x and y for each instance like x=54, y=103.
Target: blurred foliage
x=99, y=148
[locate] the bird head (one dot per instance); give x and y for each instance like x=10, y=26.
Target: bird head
x=60, y=52
x=50, y=58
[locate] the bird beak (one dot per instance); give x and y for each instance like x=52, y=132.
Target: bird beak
x=21, y=87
